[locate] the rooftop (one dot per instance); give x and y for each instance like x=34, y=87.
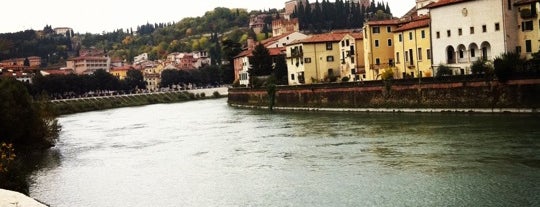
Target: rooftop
x=441, y=3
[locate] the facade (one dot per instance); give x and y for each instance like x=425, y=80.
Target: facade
x=413, y=49
x=120, y=72
x=152, y=81
x=314, y=59
x=529, y=32
x=191, y=60
x=34, y=61
x=140, y=58
x=88, y=65
x=352, y=56
x=62, y=30
x=285, y=26
x=379, y=47
x=291, y=5
x=464, y=31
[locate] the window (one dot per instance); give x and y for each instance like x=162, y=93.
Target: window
x=484, y=28
x=307, y=60
x=461, y=54
x=419, y=53
x=330, y=58
x=388, y=29
x=423, y=33
x=328, y=46
x=389, y=42
x=428, y=54
x=376, y=30
x=352, y=60
x=342, y=43
x=376, y=43
x=292, y=76
x=509, y=4
x=497, y=26
x=377, y=61
x=438, y=35
x=347, y=43
x=528, y=46
x=527, y=26
x=473, y=53
x=400, y=38
x=397, y=57
x=411, y=58
x=410, y=35
x=472, y=30
x=352, y=50
x=448, y=33
x=460, y=31
x=406, y=56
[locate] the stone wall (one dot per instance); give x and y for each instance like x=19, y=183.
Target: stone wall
x=431, y=93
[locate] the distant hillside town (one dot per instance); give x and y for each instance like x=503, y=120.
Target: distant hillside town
x=306, y=43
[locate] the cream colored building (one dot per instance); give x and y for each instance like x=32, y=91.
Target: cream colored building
x=352, y=56
x=529, y=32
x=88, y=65
x=314, y=59
x=465, y=31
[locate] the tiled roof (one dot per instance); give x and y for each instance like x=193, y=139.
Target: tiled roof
x=272, y=40
x=424, y=22
x=357, y=35
x=384, y=22
x=521, y=2
x=446, y=2
x=329, y=37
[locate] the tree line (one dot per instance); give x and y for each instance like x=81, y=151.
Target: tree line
x=327, y=16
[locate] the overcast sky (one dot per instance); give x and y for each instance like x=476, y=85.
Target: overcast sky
x=97, y=16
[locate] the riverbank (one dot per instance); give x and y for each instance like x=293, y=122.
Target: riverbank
x=78, y=105
x=12, y=198
x=426, y=95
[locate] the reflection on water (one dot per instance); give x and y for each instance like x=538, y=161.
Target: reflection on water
x=206, y=153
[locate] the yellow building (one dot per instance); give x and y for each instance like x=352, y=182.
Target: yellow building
x=314, y=59
x=120, y=72
x=352, y=56
x=379, y=47
x=529, y=32
x=413, y=49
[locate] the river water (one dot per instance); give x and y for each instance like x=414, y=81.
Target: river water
x=205, y=153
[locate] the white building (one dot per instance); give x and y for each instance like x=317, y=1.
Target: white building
x=140, y=58
x=464, y=31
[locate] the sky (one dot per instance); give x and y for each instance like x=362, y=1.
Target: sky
x=99, y=16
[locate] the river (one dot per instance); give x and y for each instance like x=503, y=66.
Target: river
x=205, y=153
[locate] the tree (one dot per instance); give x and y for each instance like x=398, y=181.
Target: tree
x=26, y=123
x=443, y=70
x=134, y=79
x=280, y=70
x=26, y=62
x=261, y=62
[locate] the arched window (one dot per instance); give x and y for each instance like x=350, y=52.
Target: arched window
x=462, y=54
x=486, y=50
x=473, y=51
x=450, y=55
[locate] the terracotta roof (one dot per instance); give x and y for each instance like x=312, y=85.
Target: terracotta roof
x=521, y=2
x=126, y=67
x=414, y=24
x=59, y=71
x=89, y=58
x=329, y=37
x=384, y=22
x=357, y=35
x=271, y=40
x=441, y=3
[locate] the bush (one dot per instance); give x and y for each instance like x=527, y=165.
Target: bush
x=203, y=95
x=387, y=74
x=443, y=70
x=345, y=79
x=216, y=94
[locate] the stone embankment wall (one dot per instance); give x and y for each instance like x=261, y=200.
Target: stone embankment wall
x=514, y=95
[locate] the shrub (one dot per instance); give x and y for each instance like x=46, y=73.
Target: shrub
x=387, y=74
x=443, y=70
x=345, y=79
x=216, y=94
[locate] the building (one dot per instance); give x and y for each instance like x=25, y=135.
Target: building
x=63, y=30
x=88, y=65
x=464, y=31
x=153, y=81
x=33, y=61
x=284, y=26
x=257, y=22
x=187, y=61
x=314, y=59
x=140, y=58
x=529, y=32
x=120, y=72
x=290, y=6
x=379, y=47
x=352, y=56
x=275, y=44
x=413, y=49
